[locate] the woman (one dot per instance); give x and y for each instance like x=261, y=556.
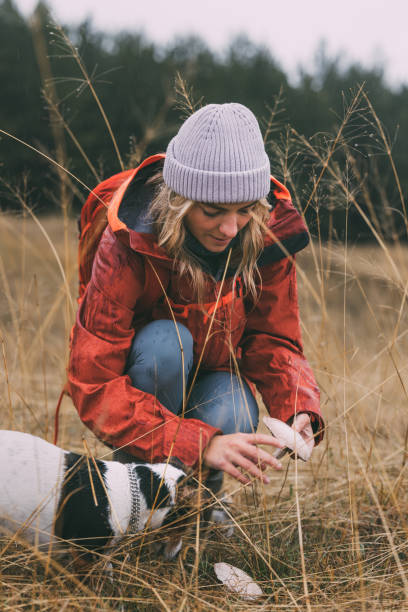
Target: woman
x=192, y=302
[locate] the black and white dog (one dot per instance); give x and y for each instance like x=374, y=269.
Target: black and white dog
x=47, y=492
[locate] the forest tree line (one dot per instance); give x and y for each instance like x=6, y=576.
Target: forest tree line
x=57, y=84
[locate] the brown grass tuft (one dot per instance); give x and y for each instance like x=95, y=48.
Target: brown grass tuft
x=327, y=535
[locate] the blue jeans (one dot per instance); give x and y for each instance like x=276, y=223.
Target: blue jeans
x=217, y=398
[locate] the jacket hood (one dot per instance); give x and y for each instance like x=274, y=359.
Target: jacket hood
x=128, y=216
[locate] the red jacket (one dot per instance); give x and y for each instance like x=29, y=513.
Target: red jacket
x=124, y=294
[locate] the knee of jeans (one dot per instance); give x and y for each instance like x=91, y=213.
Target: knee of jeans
x=242, y=416
x=156, y=347
x=247, y=421
x=239, y=418
x=231, y=410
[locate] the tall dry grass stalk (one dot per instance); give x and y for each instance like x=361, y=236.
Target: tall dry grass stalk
x=327, y=535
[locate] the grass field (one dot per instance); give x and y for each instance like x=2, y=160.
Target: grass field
x=327, y=535
x=330, y=534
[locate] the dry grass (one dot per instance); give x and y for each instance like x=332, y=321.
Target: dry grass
x=352, y=496
x=327, y=535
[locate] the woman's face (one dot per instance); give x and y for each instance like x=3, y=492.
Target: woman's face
x=215, y=225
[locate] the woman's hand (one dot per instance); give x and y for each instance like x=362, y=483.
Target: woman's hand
x=239, y=451
x=302, y=424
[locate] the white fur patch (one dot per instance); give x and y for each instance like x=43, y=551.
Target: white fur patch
x=117, y=486
x=31, y=476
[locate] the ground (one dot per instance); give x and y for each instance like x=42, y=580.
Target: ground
x=327, y=535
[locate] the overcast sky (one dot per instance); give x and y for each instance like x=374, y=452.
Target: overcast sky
x=369, y=31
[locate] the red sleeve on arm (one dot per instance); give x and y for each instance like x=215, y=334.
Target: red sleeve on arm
x=272, y=351
x=106, y=401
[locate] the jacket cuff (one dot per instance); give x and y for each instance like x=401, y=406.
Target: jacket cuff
x=186, y=438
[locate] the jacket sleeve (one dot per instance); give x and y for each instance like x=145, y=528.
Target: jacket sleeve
x=272, y=351
x=107, y=403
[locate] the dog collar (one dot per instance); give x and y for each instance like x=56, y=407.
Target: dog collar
x=134, y=526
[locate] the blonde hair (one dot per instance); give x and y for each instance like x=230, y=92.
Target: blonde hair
x=168, y=210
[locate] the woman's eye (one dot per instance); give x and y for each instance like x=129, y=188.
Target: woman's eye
x=210, y=214
x=214, y=213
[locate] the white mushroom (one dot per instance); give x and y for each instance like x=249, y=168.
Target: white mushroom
x=292, y=440
x=237, y=581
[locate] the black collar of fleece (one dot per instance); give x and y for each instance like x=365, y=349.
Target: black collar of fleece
x=212, y=263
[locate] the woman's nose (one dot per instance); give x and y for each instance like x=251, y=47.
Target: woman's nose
x=229, y=226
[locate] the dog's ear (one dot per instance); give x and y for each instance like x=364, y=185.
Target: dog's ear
x=186, y=485
x=190, y=490
x=175, y=462
x=186, y=493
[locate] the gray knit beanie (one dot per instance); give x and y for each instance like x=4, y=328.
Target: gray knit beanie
x=218, y=155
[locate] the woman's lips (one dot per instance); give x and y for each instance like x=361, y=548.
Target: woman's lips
x=221, y=240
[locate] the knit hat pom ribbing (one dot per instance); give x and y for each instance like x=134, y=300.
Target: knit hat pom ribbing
x=218, y=155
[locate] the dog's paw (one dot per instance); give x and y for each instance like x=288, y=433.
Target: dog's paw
x=172, y=548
